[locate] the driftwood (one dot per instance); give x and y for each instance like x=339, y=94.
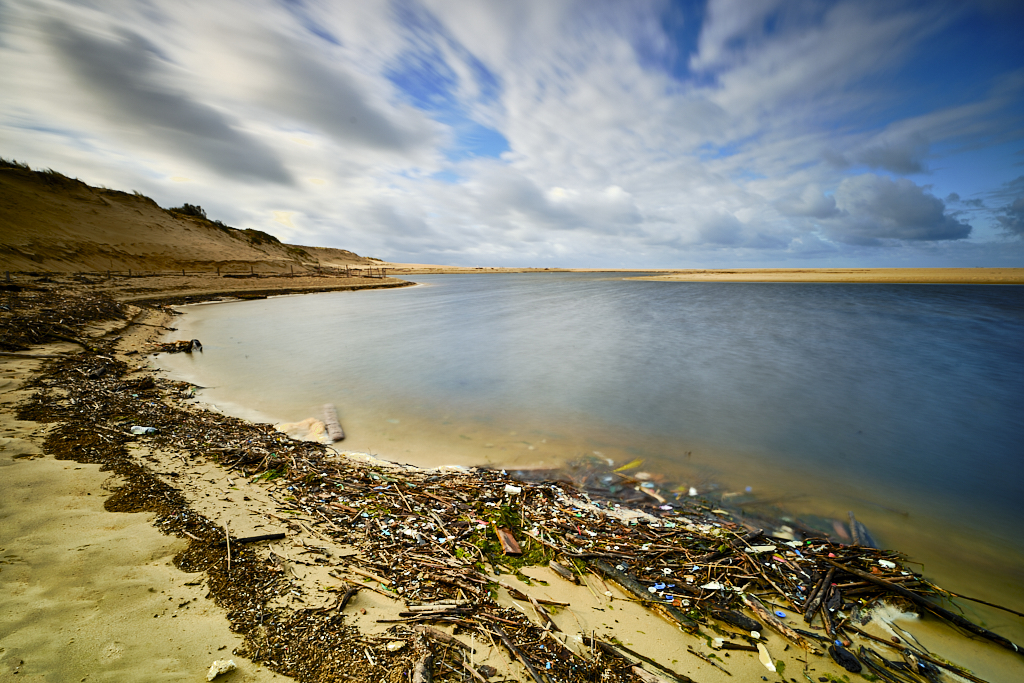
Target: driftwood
x=252, y=539
x=500, y=632
x=334, y=430
x=953, y=618
x=640, y=592
x=760, y=610
x=817, y=595
x=621, y=651
x=442, y=637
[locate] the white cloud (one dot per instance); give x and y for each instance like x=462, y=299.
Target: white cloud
x=624, y=143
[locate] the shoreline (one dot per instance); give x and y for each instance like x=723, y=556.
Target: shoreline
x=194, y=476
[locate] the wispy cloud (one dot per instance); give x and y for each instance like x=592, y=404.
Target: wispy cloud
x=542, y=132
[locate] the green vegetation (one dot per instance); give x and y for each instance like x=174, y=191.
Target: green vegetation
x=259, y=237
x=190, y=210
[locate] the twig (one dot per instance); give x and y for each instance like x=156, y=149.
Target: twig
x=930, y=606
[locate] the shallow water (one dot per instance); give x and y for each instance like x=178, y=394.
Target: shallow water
x=899, y=402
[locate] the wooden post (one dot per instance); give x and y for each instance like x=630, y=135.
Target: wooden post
x=218, y=271
x=183, y=272
x=332, y=423
x=251, y=271
x=129, y=272
x=8, y=275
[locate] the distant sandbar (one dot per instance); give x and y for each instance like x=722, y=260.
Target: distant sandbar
x=967, y=276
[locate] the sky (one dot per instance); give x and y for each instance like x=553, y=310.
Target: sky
x=545, y=133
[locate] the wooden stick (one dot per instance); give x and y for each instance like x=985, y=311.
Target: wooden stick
x=818, y=596
x=760, y=610
x=955, y=669
x=514, y=650
x=930, y=606
x=252, y=539
x=442, y=637
x=368, y=575
x=227, y=542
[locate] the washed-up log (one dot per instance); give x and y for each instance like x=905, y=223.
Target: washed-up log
x=637, y=590
x=10, y=354
x=508, y=542
x=735, y=618
x=455, y=611
x=334, y=430
x=520, y=595
x=729, y=645
x=252, y=539
x=860, y=533
x=423, y=672
x=439, y=606
x=931, y=607
x=817, y=595
x=563, y=572
x=442, y=637
x=543, y=614
x=773, y=621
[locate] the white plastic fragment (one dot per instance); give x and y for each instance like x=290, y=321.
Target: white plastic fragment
x=713, y=586
x=761, y=549
x=136, y=429
x=693, y=492
x=717, y=643
x=887, y=564
x=514, y=490
x=395, y=645
x=765, y=658
x=221, y=666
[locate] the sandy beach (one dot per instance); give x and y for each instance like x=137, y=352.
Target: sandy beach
x=148, y=556
x=84, y=556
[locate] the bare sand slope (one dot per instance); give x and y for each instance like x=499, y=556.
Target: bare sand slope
x=978, y=276
x=87, y=594
x=49, y=222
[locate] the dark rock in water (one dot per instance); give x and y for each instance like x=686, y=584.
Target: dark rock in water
x=844, y=658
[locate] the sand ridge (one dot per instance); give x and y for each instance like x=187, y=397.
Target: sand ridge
x=979, y=276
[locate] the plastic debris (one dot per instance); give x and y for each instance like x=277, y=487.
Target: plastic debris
x=221, y=666
x=513, y=490
x=136, y=429
x=761, y=549
x=765, y=658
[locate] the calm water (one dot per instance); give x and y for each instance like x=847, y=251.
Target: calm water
x=902, y=403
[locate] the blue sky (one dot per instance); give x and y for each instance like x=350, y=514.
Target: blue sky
x=727, y=133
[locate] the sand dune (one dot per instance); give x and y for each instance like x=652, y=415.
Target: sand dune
x=49, y=222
